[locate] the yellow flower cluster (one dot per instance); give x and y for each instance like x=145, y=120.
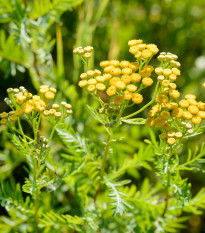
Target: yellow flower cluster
x=85, y=52
x=122, y=80
x=23, y=102
x=140, y=50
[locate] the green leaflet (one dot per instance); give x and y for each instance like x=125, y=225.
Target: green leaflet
x=135, y=121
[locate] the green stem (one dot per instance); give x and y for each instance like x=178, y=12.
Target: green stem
x=60, y=66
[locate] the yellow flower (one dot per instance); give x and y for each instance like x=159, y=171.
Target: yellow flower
x=114, y=63
x=152, y=113
x=3, y=122
x=134, y=66
x=87, y=55
x=165, y=83
x=116, y=71
x=107, y=76
x=172, y=105
x=167, y=126
x=13, y=118
x=92, y=81
x=172, y=77
x=146, y=53
x=137, y=98
x=55, y=106
x=163, y=136
x=91, y=88
x=147, y=81
x=201, y=114
x=178, y=135
x=82, y=83
x=52, y=111
x=104, y=63
x=49, y=95
x=171, y=134
x=46, y=113
x=120, y=85
x=173, y=85
x=83, y=76
x=192, y=101
x=193, y=109
x=43, y=90
x=201, y=105
x=193, y=97
x=158, y=70
x=153, y=48
x=187, y=115
x=90, y=73
x=20, y=99
x=58, y=114
x=167, y=72
x=4, y=115
x=159, y=121
x=100, y=87
x=142, y=46
x=126, y=78
x=118, y=100
x=108, y=69
x=131, y=88
x=27, y=108
x=174, y=94
x=135, y=78
x=19, y=112
x=127, y=71
x=52, y=90
x=100, y=79
x=134, y=42
x=127, y=95
x=184, y=103
x=165, y=115
x=203, y=84
x=134, y=49
x=113, y=81
x=171, y=141
x=97, y=72
x=112, y=90
x=176, y=71
x=138, y=55
x=124, y=64
x=177, y=112
x=149, y=121
x=196, y=119
x=162, y=99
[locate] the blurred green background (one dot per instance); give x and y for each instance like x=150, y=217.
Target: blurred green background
x=175, y=26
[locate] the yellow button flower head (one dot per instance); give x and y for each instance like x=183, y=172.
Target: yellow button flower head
x=13, y=118
x=162, y=99
x=177, y=112
x=120, y=85
x=159, y=121
x=87, y=55
x=124, y=64
x=97, y=72
x=134, y=66
x=91, y=88
x=137, y=98
x=187, y=115
x=127, y=71
x=83, y=76
x=82, y=83
x=193, y=109
x=196, y=119
x=131, y=88
x=153, y=48
x=134, y=42
x=90, y=73
x=55, y=106
x=173, y=77
x=149, y=121
x=27, y=108
x=52, y=111
x=103, y=64
x=201, y=105
x=113, y=81
x=142, y=46
x=134, y=49
x=118, y=100
x=202, y=114
x=163, y=136
x=108, y=69
x=135, y=78
x=112, y=90
x=174, y=94
x=92, y=81
x=100, y=79
x=147, y=81
x=171, y=133
x=178, y=135
x=193, y=97
x=173, y=86
x=176, y=71
x=126, y=79
x=4, y=115
x=52, y=90
x=146, y=53
x=20, y=99
x=114, y=63
x=192, y=101
x=167, y=126
x=152, y=113
x=127, y=95
x=100, y=86
x=138, y=55
x=165, y=83
x=116, y=71
x=107, y=76
x=158, y=70
x=19, y=112
x=49, y=95
x=171, y=141
x=3, y=122
x=184, y=103
x=57, y=114
x=165, y=115
x=46, y=113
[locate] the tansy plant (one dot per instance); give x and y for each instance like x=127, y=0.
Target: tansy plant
x=90, y=189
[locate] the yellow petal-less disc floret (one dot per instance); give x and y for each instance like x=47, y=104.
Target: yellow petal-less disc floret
x=158, y=70
x=126, y=79
x=127, y=95
x=131, y=88
x=146, y=53
x=83, y=76
x=100, y=86
x=82, y=83
x=124, y=64
x=49, y=95
x=104, y=63
x=3, y=122
x=159, y=121
x=147, y=81
x=135, y=78
x=112, y=90
x=100, y=79
x=193, y=109
x=177, y=112
x=57, y=114
x=162, y=99
x=13, y=118
x=92, y=81
x=137, y=98
x=187, y=115
x=52, y=89
x=134, y=49
x=167, y=72
x=153, y=48
x=134, y=66
x=91, y=88
x=176, y=71
x=174, y=94
x=196, y=119
x=171, y=141
x=116, y=71
x=120, y=85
